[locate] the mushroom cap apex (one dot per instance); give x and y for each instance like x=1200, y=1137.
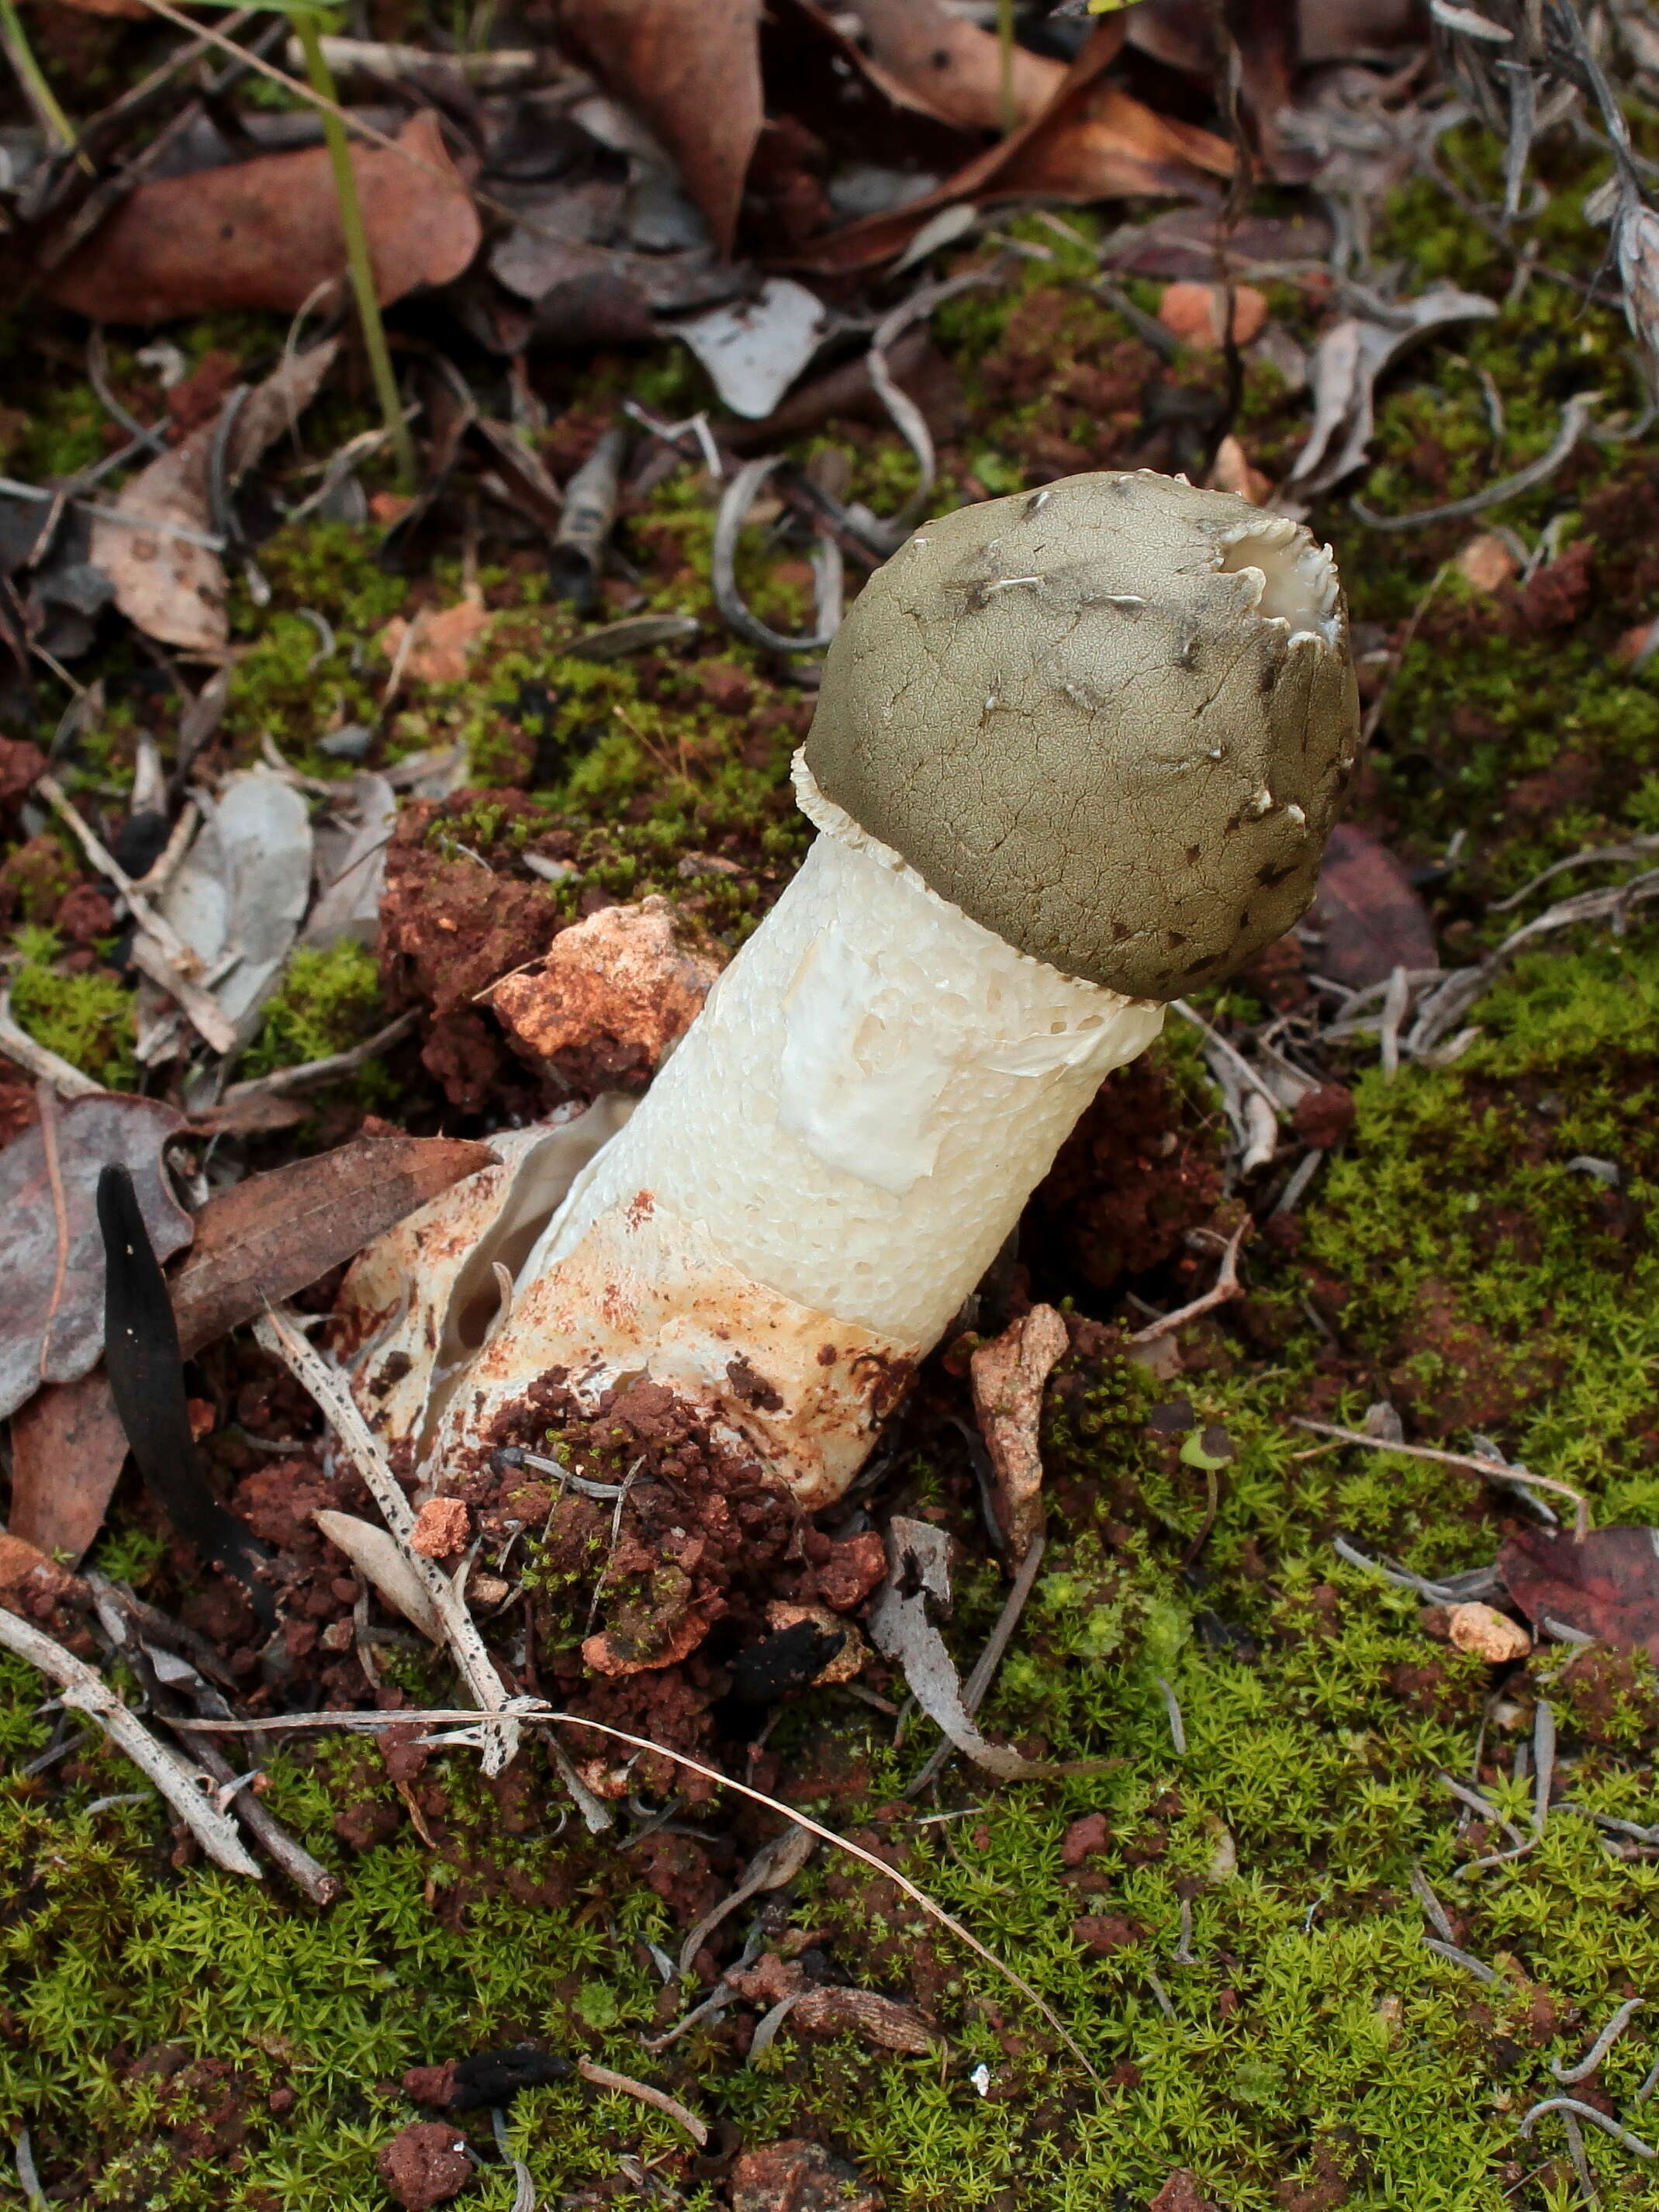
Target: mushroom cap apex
x=1112, y=720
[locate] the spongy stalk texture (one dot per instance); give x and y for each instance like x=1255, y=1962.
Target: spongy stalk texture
x=872, y=1091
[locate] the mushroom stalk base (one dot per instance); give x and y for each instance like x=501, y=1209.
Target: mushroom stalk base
x=820, y=1174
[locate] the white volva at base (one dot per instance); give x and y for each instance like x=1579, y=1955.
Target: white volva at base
x=822, y=1172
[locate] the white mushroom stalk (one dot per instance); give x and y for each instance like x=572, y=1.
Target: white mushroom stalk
x=1074, y=753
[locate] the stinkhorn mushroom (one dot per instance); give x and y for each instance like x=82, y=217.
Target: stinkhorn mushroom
x=1076, y=752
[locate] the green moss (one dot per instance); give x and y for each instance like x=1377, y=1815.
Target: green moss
x=87, y=1019
x=329, y=1001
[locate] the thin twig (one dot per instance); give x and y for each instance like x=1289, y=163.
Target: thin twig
x=985, y=1666
x=1574, y=421
x=603, y=2078
x=1488, y=1470
x=1225, y=1287
x=497, y=1739
x=1605, y=2121
x=1594, y=856
x=1598, y=2050
x=527, y=1714
x=286, y=1082
x=84, y=1689
x=20, y=1048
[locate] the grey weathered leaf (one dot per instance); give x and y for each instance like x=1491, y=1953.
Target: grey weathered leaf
x=53, y=1332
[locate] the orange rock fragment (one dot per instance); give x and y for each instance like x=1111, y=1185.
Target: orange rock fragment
x=613, y=993
x=1192, y=313
x=1486, y=562
x=441, y=1528
x=1008, y=1377
x=1491, y=1635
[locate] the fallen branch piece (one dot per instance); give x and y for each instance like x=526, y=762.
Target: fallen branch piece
x=85, y=1691
x=603, y=2078
x=1225, y=1287
x=1489, y=1470
x=498, y=1739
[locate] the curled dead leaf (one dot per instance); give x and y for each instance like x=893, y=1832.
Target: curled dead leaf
x=172, y=587
x=691, y=69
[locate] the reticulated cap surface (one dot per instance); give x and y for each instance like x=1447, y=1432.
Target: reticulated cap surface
x=1112, y=721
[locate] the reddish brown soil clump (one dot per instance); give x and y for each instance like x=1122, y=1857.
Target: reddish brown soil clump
x=426, y=2165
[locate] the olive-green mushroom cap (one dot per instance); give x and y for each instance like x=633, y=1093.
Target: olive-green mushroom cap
x=1112, y=721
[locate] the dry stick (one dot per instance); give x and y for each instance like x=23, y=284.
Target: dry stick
x=1638, y=849
x=499, y=1740
x=1226, y=1286
x=1583, y=2112
x=166, y=959
x=288, y=1080
x=84, y=1690
x=545, y=1716
x=1574, y=421
x=985, y=1666
x=1603, y=2043
x=126, y=1617
x=603, y=2078
x=20, y=1048
x=1234, y=1057
x=1489, y=1470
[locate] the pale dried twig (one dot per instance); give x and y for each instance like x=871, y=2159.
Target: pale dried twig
x=84, y=1690
x=603, y=2078
x=1489, y=1470
x=20, y=1048
x=498, y=1739
x=528, y=1714
x=1225, y=1287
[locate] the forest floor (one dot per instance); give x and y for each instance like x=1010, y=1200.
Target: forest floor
x=1228, y=1914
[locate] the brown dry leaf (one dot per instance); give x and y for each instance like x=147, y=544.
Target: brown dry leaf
x=1604, y=1584
x=264, y=1238
x=923, y=56
x=41, y=1342
x=1008, y=1377
x=265, y=233
x=269, y=1237
x=1371, y=919
x=172, y=589
x=441, y=642
x=691, y=69
x=68, y=1447
x=1093, y=141
x=133, y=9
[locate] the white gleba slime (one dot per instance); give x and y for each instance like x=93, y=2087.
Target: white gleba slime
x=1103, y=745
